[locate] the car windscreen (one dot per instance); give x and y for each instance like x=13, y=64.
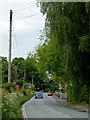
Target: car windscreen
x=39, y=93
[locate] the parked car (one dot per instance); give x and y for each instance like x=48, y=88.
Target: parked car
x=50, y=94
x=39, y=95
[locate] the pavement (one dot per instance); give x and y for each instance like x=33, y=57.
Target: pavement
x=65, y=103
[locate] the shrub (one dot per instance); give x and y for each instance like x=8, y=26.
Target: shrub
x=46, y=90
x=63, y=90
x=11, y=103
x=7, y=86
x=27, y=85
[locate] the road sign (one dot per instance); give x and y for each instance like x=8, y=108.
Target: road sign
x=17, y=87
x=29, y=86
x=60, y=86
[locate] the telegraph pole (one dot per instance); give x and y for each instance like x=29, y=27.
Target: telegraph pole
x=24, y=79
x=10, y=38
x=24, y=76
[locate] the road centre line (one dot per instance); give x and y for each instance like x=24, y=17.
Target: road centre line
x=58, y=112
x=63, y=114
x=67, y=116
x=25, y=115
x=51, y=109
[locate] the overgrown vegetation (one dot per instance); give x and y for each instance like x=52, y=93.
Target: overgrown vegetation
x=22, y=73
x=65, y=47
x=62, y=57
x=12, y=101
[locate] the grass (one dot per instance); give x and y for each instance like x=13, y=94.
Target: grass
x=84, y=104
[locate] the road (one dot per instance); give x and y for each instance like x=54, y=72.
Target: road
x=49, y=108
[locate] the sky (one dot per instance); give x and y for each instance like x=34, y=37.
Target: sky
x=27, y=24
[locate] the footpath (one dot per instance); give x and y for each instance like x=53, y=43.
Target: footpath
x=65, y=103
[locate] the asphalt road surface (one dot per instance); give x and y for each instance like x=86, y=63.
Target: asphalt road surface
x=49, y=108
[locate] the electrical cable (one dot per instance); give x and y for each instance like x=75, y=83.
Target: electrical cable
x=17, y=17
x=28, y=22
x=24, y=13
x=16, y=41
x=28, y=16
x=34, y=34
x=23, y=8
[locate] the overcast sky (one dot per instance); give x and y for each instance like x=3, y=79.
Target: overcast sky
x=26, y=27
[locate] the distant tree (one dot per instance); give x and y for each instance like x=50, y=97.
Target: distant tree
x=17, y=70
x=4, y=69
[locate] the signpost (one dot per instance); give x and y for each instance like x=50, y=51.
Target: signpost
x=29, y=86
x=60, y=86
x=17, y=87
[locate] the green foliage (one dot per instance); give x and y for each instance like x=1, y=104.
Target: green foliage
x=7, y=86
x=27, y=85
x=11, y=103
x=73, y=97
x=21, y=70
x=63, y=90
x=46, y=89
x=64, y=52
x=84, y=43
x=4, y=69
x=17, y=69
x=65, y=47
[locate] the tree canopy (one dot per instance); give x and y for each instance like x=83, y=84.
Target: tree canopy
x=65, y=50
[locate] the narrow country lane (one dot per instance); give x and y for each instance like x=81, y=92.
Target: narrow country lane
x=49, y=108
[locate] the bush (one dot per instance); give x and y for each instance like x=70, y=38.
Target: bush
x=76, y=94
x=46, y=90
x=11, y=103
x=27, y=85
x=4, y=92
x=63, y=90
x=13, y=85
x=33, y=87
x=7, y=86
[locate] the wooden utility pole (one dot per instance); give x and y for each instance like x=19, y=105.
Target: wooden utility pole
x=24, y=79
x=24, y=76
x=10, y=38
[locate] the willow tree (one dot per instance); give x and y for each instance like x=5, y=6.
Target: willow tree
x=67, y=29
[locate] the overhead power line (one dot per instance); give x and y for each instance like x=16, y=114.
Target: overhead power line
x=27, y=16
x=24, y=8
x=16, y=41
x=25, y=12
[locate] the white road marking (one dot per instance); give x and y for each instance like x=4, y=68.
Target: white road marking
x=52, y=109
x=24, y=113
x=59, y=112
x=67, y=116
x=31, y=98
